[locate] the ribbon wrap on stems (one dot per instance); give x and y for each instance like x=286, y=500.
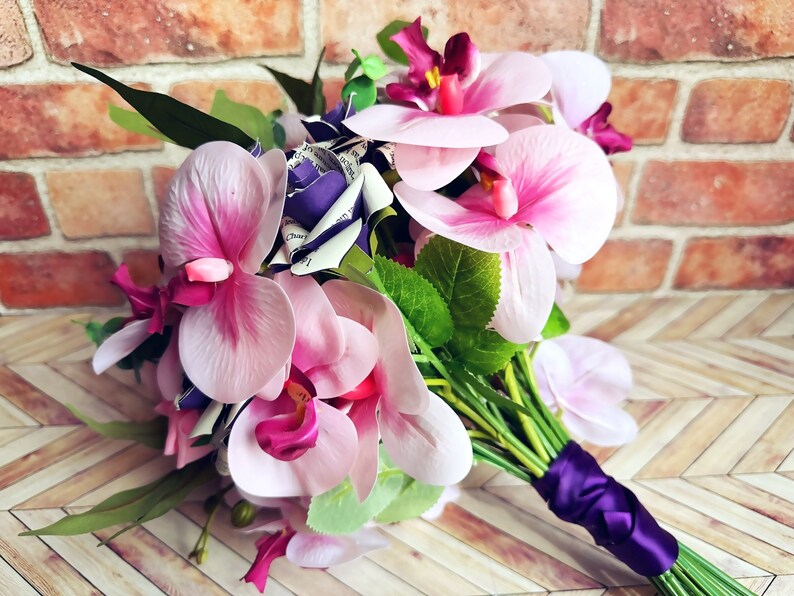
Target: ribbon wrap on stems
x=578, y=491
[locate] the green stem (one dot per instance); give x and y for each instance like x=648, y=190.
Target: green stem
x=526, y=422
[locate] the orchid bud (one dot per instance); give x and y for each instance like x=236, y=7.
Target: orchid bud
x=243, y=514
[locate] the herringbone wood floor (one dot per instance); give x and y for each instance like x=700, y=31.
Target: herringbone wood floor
x=714, y=461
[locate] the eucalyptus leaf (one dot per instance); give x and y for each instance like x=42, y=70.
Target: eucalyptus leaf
x=338, y=511
x=413, y=500
x=133, y=505
x=417, y=299
x=362, y=90
x=389, y=47
x=307, y=97
x=247, y=118
x=372, y=66
x=134, y=122
x=556, y=325
x=151, y=433
x=184, y=124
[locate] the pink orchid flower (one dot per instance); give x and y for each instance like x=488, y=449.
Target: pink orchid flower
x=420, y=432
x=291, y=537
x=550, y=185
x=299, y=444
x=178, y=441
x=441, y=134
x=586, y=379
x=218, y=224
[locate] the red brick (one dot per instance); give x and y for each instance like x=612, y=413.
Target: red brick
x=161, y=176
x=737, y=263
x=332, y=89
x=737, y=111
x=493, y=26
x=264, y=95
x=143, y=266
x=21, y=213
x=14, y=41
x=41, y=280
x=141, y=31
x=626, y=266
x=62, y=119
x=641, y=108
x=716, y=193
x=665, y=31
x=95, y=203
x=623, y=171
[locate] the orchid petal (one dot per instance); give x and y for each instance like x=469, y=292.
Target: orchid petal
x=599, y=424
x=432, y=447
x=316, y=471
x=319, y=339
x=580, y=83
x=364, y=472
x=273, y=388
x=566, y=188
x=496, y=88
x=235, y=344
x=429, y=168
x=315, y=551
x=169, y=369
x=477, y=229
x=401, y=124
x=215, y=203
x=600, y=370
x=120, y=344
x=421, y=57
x=554, y=372
x=462, y=58
x=528, y=287
x=399, y=381
x=352, y=367
x=274, y=167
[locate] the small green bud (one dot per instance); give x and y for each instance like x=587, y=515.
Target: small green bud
x=243, y=514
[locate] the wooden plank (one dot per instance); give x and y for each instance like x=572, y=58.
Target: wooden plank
x=34, y=403
x=41, y=567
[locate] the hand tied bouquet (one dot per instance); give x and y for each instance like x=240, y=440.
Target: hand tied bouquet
x=356, y=304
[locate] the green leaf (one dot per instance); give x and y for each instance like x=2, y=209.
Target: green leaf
x=417, y=299
x=134, y=122
x=486, y=391
x=133, y=505
x=372, y=65
x=245, y=117
x=556, y=325
x=186, y=125
x=339, y=511
x=98, y=332
x=484, y=351
x=357, y=266
x=150, y=433
x=467, y=279
x=413, y=500
x=353, y=67
x=363, y=90
x=390, y=48
x=307, y=97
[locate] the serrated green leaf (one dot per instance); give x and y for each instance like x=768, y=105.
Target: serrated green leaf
x=556, y=325
x=363, y=91
x=467, y=279
x=417, y=299
x=390, y=48
x=482, y=350
x=134, y=122
x=186, y=125
x=151, y=433
x=307, y=97
x=245, y=117
x=132, y=505
x=338, y=511
x=413, y=500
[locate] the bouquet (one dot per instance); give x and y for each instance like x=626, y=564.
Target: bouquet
x=357, y=304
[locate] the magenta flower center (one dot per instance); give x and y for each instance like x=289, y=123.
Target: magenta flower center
x=288, y=436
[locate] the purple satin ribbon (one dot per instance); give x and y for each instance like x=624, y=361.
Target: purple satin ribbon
x=578, y=491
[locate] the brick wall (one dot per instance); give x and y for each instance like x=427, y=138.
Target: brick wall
x=704, y=87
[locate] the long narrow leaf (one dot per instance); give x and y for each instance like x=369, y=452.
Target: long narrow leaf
x=307, y=97
x=184, y=124
x=150, y=433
